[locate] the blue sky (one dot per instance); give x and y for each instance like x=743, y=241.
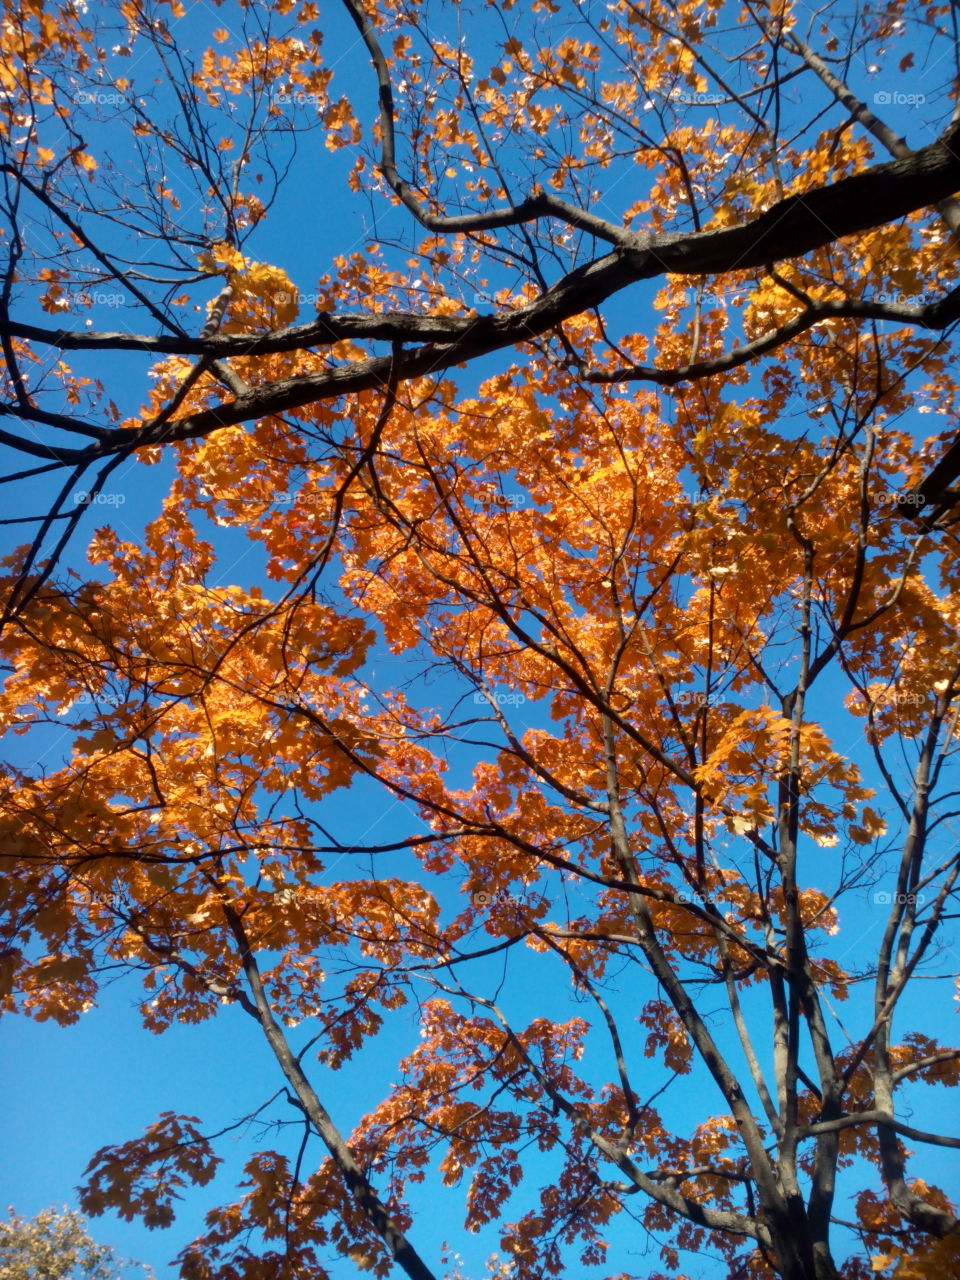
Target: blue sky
x=73, y=1090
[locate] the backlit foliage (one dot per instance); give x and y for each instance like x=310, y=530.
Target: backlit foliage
x=585, y=723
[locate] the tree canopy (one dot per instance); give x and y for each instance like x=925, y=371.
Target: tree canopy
x=565, y=369
x=55, y=1245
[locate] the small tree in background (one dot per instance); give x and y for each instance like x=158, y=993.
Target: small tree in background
x=53, y=1246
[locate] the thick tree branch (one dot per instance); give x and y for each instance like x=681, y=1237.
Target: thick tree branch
x=789, y=229
x=883, y=1120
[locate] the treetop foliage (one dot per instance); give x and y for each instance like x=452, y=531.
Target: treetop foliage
x=586, y=723
x=55, y=1245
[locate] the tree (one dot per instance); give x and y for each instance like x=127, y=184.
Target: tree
x=53, y=1246
x=676, y=610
